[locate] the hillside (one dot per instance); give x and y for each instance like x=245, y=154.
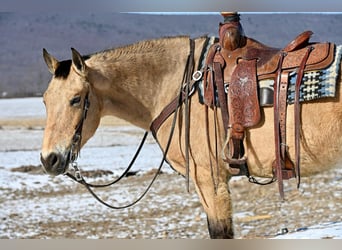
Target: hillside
x=23, y=36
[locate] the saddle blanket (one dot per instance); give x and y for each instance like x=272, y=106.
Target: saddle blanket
x=315, y=84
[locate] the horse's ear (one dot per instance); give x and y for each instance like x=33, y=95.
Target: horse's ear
x=50, y=61
x=78, y=62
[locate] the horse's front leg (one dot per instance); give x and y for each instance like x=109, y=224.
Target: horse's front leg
x=212, y=188
x=217, y=205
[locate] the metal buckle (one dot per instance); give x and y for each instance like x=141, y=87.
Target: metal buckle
x=78, y=174
x=226, y=88
x=197, y=75
x=76, y=139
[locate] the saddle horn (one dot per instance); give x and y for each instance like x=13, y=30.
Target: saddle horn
x=231, y=32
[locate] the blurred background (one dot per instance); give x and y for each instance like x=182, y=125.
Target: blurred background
x=23, y=72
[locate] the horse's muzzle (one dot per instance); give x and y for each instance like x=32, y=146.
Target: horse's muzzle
x=55, y=163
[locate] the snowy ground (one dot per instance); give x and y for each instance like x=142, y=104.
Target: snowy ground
x=34, y=205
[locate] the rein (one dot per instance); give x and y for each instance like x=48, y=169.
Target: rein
x=79, y=178
x=186, y=87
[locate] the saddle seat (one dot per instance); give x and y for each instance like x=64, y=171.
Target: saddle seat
x=268, y=57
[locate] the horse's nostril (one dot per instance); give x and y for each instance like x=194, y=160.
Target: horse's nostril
x=54, y=163
x=51, y=161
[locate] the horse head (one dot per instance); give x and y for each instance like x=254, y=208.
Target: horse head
x=68, y=123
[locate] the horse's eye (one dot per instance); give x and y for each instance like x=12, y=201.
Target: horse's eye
x=75, y=101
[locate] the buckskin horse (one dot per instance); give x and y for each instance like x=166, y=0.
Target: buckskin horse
x=150, y=85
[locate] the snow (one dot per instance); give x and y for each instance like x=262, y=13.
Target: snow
x=331, y=230
x=22, y=107
x=98, y=152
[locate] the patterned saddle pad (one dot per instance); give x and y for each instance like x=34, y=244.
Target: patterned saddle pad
x=315, y=84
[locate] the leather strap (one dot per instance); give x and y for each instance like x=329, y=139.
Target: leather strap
x=283, y=166
x=77, y=138
x=284, y=78
x=297, y=126
x=175, y=103
x=287, y=167
x=166, y=112
x=277, y=164
x=222, y=96
x=208, y=77
x=187, y=79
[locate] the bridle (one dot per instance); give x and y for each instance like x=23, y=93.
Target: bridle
x=77, y=137
x=74, y=154
x=186, y=87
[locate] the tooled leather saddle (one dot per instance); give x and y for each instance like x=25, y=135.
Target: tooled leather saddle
x=234, y=65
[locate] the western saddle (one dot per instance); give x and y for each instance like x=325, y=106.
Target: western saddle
x=234, y=66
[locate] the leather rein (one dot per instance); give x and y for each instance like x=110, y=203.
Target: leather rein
x=185, y=91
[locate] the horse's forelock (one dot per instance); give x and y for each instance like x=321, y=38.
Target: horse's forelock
x=63, y=69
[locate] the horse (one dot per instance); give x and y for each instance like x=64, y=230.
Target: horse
x=135, y=82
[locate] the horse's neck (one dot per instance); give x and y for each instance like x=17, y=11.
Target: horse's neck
x=137, y=86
